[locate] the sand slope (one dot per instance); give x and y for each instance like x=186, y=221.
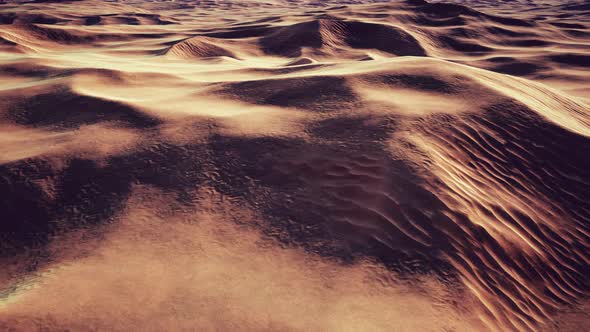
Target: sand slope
x=282, y=165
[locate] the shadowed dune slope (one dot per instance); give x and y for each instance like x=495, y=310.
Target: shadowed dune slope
x=333, y=34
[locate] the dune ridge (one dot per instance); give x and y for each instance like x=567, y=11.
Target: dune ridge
x=431, y=153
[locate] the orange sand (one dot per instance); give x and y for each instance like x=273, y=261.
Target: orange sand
x=292, y=165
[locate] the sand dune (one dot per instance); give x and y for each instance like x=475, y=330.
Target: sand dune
x=294, y=165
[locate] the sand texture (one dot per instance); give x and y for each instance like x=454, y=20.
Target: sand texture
x=284, y=165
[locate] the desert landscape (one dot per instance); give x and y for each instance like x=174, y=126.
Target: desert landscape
x=294, y=165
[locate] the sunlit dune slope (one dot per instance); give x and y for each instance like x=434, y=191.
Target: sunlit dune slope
x=289, y=165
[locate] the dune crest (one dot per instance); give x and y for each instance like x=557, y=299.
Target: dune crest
x=199, y=47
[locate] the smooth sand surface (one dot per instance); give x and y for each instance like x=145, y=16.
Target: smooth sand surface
x=294, y=165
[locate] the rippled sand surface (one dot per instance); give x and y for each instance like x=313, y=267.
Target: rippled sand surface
x=294, y=165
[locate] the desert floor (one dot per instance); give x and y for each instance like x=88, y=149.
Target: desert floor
x=241, y=165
